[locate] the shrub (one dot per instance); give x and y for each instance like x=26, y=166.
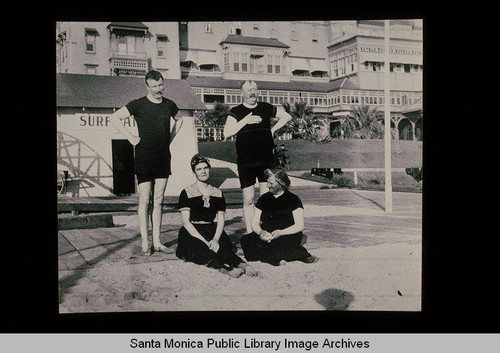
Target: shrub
x=342, y=181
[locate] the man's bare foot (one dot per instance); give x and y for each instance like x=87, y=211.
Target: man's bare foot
x=160, y=247
x=146, y=250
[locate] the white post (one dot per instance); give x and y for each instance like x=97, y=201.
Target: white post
x=387, y=122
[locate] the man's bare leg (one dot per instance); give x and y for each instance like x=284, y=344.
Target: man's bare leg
x=248, y=205
x=159, y=191
x=142, y=212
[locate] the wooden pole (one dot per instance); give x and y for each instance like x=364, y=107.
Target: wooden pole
x=387, y=122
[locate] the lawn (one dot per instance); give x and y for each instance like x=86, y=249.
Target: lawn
x=305, y=155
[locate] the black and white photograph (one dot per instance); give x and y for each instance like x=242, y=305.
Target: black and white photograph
x=219, y=166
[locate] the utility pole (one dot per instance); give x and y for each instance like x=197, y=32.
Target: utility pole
x=387, y=122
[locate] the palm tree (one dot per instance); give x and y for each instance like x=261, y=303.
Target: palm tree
x=217, y=116
x=366, y=121
x=301, y=113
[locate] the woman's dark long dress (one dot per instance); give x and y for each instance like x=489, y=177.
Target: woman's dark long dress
x=277, y=213
x=203, y=216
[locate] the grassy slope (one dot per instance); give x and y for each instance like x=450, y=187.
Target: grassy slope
x=305, y=155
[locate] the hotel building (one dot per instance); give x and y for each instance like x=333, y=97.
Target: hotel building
x=330, y=65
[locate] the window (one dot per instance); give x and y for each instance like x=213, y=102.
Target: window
x=277, y=64
x=226, y=62
x=314, y=33
x=395, y=67
x=293, y=30
x=91, y=69
x=236, y=62
x=244, y=62
x=208, y=27
x=122, y=44
x=235, y=28
x=269, y=64
x=127, y=45
x=255, y=27
x=273, y=31
x=90, y=41
x=161, y=44
x=407, y=67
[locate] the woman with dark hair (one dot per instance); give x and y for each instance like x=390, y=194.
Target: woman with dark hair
x=277, y=224
x=202, y=238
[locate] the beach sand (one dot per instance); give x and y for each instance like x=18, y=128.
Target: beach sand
x=367, y=275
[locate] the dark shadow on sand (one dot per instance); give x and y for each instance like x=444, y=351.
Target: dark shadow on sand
x=334, y=299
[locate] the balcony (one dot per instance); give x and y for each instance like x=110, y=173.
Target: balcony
x=128, y=66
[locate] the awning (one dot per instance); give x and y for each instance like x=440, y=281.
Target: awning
x=207, y=58
x=188, y=56
x=256, y=52
x=373, y=57
x=299, y=64
x=318, y=65
x=91, y=32
x=128, y=26
x=412, y=108
x=401, y=59
x=162, y=38
x=406, y=59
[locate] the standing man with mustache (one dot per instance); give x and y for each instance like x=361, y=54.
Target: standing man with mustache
x=251, y=123
x=152, y=114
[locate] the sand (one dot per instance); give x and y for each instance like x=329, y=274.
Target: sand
x=380, y=277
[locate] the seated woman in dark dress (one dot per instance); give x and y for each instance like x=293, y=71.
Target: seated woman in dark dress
x=202, y=238
x=277, y=224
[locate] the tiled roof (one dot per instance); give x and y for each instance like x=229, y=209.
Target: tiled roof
x=92, y=91
x=266, y=42
x=218, y=82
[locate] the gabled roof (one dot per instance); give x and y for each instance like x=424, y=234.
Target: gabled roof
x=346, y=84
x=264, y=42
x=92, y=91
x=323, y=87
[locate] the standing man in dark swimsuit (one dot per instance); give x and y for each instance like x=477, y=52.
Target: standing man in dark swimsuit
x=152, y=114
x=251, y=123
